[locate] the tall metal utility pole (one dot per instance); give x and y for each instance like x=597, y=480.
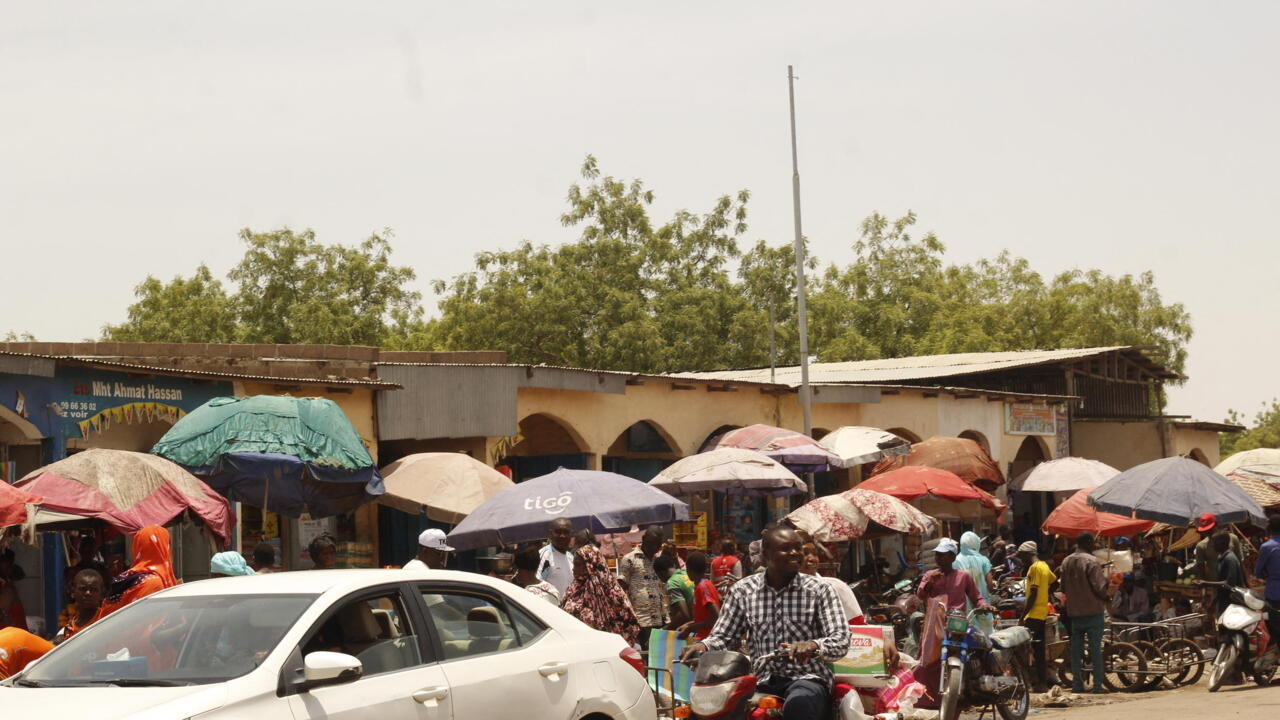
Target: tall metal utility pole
x=805, y=400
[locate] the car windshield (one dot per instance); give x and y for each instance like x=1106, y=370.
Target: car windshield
x=159, y=641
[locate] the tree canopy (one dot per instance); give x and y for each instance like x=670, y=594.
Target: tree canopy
x=290, y=288
x=637, y=293
x=1263, y=433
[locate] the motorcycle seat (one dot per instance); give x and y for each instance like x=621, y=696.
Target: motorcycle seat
x=1010, y=637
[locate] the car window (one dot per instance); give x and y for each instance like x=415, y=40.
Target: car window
x=470, y=624
x=375, y=630
x=528, y=628
x=175, y=640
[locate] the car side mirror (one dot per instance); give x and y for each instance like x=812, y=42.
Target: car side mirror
x=322, y=668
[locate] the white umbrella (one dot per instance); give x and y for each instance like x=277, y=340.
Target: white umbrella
x=1066, y=474
x=1262, y=462
x=857, y=445
x=731, y=470
x=447, y=485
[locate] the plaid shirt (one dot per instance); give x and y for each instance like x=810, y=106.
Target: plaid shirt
x=806, y=609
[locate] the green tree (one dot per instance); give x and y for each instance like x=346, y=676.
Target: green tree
x=626, y=295
x=1264, y=432
x=290, y=289
x=194, y=309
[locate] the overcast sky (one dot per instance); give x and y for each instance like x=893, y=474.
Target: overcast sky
x=139, y=137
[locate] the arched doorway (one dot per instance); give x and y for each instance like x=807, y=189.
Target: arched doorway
x=714, y=436
x=640, y=451
x=977, y=437
x=905, y=434
x=545, y=443
x=1198, y=455
x=1028, y=509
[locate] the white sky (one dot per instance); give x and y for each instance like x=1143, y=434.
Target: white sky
x=139, y=137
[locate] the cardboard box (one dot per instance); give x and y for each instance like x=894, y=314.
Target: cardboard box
x=866, y=651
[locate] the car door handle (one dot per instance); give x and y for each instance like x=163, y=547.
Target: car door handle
x=425, y=695
x=554, y=668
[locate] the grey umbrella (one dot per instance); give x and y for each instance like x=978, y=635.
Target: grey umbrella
x=1177, y=491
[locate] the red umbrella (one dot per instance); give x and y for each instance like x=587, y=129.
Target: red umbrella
x=939, y=493
x=13, y=504
x=128, y=490
x=961, y=456
x=1075, y=515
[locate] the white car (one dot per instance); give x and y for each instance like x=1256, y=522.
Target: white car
x=382, y=644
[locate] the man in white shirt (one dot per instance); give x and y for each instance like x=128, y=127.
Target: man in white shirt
x=433, y=551
x=555, y=562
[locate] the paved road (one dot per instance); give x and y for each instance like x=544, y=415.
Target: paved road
x=1192, y=702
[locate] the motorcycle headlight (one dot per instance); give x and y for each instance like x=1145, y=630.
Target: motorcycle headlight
x=713, y=700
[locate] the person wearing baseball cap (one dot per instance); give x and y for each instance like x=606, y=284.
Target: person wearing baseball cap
x=1205, y=556
x=433, y=551
x=956, y=591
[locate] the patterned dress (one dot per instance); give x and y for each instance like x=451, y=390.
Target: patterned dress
x=596, y=598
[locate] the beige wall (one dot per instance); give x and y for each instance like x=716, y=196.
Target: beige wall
x=1118, y=444
x=138, y=437
x=1185, y=440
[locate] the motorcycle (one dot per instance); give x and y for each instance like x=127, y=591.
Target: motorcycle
x=724, y=688
x=893, y=607
x=1244, y=643
x=980, y=670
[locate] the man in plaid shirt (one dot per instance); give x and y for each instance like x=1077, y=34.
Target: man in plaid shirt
x=783, y=610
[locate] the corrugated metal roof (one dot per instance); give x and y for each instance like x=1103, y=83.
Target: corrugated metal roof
x=182, y=372
x=924, y=367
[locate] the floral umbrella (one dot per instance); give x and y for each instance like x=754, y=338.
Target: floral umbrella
x=797, y=451
x=859, y=513
x=961, y=456
x=939, y=493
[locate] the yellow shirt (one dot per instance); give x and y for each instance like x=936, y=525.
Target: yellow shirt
x=1040, y=577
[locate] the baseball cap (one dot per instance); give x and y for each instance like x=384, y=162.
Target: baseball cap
x=434, y=539
x=1029, y=547
x=1207, y=522
x=947, y=545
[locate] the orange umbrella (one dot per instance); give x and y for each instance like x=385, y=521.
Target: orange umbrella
x=13, y=504
x=936, y=492
x=1075, y=515
x=961, y=456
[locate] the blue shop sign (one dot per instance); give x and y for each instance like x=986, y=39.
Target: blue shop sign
x=91, y=401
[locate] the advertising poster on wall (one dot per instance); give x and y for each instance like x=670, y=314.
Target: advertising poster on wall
x=1030, y=419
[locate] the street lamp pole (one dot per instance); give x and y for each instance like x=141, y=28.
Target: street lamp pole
x=805, y=400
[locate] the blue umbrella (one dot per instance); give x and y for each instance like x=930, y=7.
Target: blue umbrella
x=1177, y=491
x=602, y=501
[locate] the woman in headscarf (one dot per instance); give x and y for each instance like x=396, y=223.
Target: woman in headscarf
x=152, y=571
x=972, y=561
x=229, y=564
x=596, y=598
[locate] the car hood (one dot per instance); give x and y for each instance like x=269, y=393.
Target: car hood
x=107, y=703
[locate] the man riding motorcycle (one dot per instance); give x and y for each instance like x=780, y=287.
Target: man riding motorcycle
x=783, y=609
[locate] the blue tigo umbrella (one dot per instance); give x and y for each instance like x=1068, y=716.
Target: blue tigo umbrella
x=603, y=501
x=284, y=454
x=1177, y=491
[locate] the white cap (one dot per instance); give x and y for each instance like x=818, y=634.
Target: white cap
x=947, y=545
x=434, y=539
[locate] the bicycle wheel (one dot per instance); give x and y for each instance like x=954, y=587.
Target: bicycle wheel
x=1155, y=662
x=1124, y=665
x=1184, y=662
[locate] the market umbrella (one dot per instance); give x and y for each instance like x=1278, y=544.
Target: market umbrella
x=1264, y=462
x=1068, y=473
x=603, y=501
x=859, y=513
x=15, y=504
x=127, y=490
x=730, y=470
x=1075, y=515
x=962, y=456
x=797, y=451
x=447, y=485
x=855, y=445
x=1177, y=491
x=936, y=492
x=284, y=454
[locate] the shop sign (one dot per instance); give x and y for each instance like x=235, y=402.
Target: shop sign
x=91, y=401
x=1029, y=419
